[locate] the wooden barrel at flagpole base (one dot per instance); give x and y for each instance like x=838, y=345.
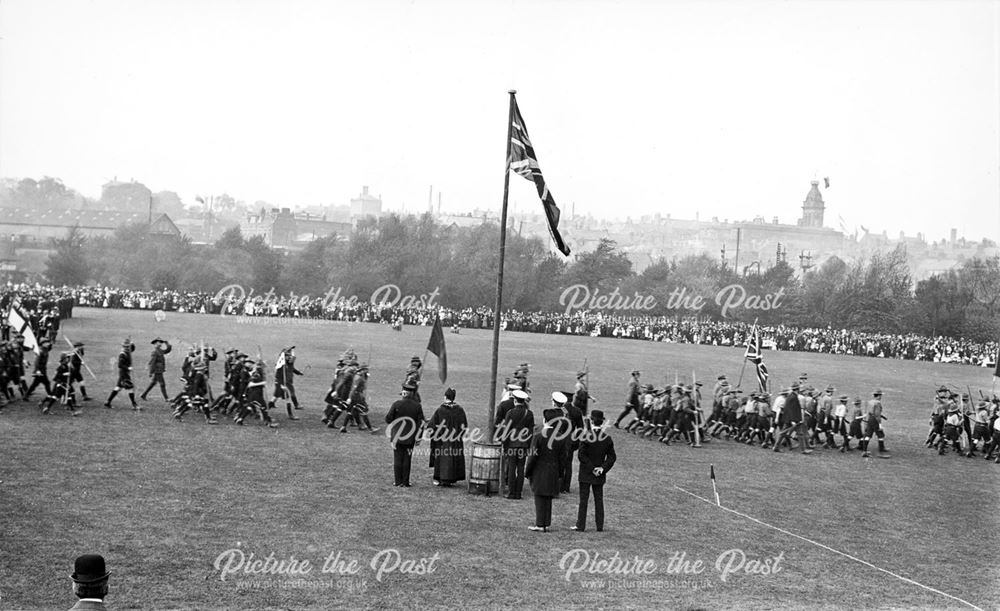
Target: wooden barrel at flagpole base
x=484, y=468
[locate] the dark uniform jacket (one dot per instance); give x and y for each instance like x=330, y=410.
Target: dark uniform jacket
x=545, y=463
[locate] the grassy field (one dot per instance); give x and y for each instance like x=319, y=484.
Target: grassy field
x=162, y=500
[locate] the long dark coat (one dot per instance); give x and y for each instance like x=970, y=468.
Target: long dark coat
x=545, y=463
x=448, y=426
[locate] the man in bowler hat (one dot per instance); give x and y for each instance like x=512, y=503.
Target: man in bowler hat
x=597, y=456
x=90, y=582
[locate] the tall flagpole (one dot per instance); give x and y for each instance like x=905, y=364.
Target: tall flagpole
x=491, y=408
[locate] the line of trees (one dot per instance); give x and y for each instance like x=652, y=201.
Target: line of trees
x=419, y=255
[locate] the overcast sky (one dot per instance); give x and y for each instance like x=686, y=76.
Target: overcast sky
x=724, y=109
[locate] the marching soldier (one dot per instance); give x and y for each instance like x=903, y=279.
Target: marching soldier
x=952, y=429
x=40, y=372
x=124, y=375
x=157, y=366
x=873, y=425
x=63, y=389
x=938, y=415
x=284, y=381
x=76, y=368
x=631, y=398
x=254, y=397
x=357, y=402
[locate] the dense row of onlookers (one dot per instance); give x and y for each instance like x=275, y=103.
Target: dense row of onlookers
x=595, y=324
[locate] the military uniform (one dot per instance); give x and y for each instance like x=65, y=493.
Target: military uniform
x=157, y=367
x=284, y=382
x=873, y=423
x=124, y=375
x=631, y=398
x=63, y=387
x=76, y=368
x=40, y=375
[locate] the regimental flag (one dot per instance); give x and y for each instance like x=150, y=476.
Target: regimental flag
x=996, y=371
x=280, y=362
x=436, y=347
x=522, y=159
x=826, y=182
x=754, y=355
x=18, y=320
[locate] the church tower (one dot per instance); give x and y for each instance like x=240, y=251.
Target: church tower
x=812, y=208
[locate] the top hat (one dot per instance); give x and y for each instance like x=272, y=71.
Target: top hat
x=89, y=568
x=597, y=417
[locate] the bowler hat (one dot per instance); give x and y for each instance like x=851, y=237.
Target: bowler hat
x=89, y=568
x=156, y=341
x=597, y=417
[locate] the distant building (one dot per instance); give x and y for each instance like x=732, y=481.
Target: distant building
x=40, y=225
x=127, y=196
x=366, y=205
x=281, y=228
x=812, y=208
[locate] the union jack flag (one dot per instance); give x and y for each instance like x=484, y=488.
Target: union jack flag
x=753, y=354
x=521, y=158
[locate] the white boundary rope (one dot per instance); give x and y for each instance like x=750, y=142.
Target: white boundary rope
x=828, y=548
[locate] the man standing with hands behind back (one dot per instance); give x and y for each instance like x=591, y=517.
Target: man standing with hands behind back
x=597, y=456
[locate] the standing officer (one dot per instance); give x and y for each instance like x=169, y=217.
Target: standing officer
x=597, y=456
x=406, y=420
x=515, y=431
x=571, y=429
x=124, y=375
x=631, y=397
x=157, y=365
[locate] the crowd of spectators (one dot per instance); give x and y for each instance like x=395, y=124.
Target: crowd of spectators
x=688, y=330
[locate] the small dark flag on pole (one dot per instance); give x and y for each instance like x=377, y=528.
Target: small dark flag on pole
x=711, y=473
x=826, y=181
x=436, y=347
x=521, y=158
